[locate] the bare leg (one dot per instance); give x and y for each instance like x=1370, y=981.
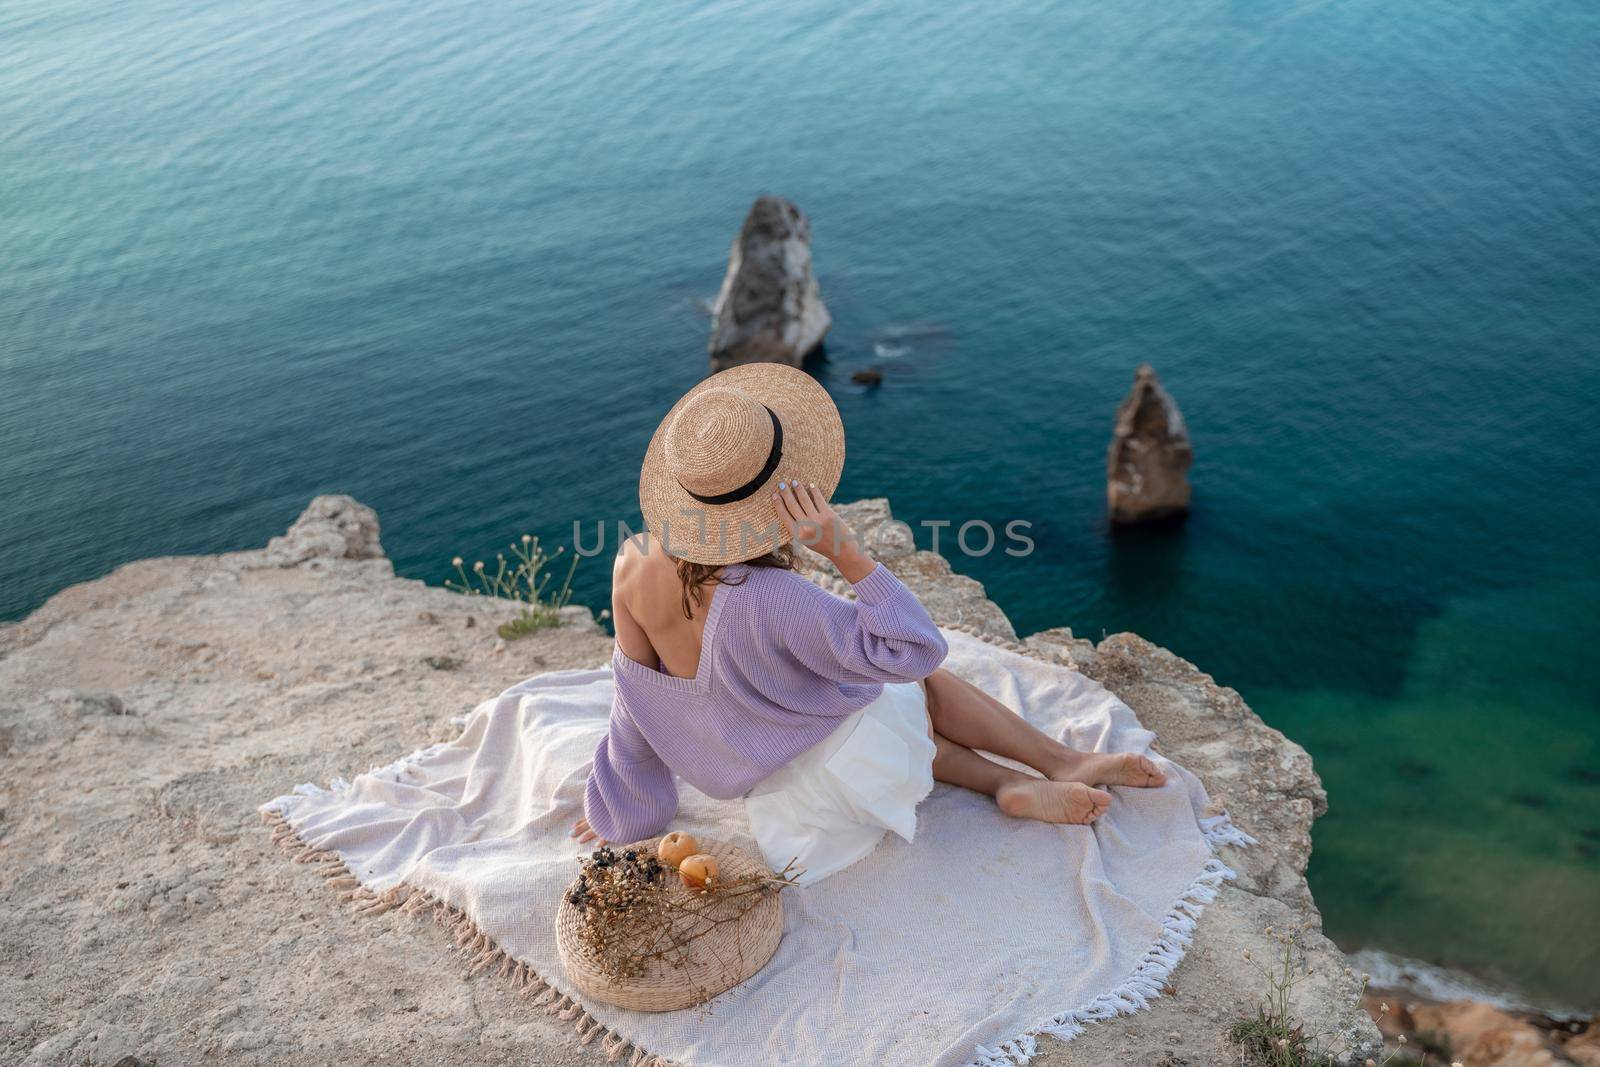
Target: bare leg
x=968, y=716
x=1018, y=795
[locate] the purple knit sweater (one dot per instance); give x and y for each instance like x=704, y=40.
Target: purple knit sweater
x=782, y=664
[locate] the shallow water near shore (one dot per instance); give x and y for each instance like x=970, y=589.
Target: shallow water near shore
x=453, y=258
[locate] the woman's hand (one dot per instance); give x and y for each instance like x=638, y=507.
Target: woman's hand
x=584, y=834
x=813, y=523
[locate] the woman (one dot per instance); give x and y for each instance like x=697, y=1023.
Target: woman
x=831, y=719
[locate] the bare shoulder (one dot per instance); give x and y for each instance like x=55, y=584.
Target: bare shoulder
x=631, y=554
x=638, y=556
x=642, y=573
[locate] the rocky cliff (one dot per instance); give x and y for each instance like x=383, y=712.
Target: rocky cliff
x=144, y=715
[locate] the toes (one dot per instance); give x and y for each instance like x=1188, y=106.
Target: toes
x=1091, y=803
x=1101, y=801
x=1142, y=771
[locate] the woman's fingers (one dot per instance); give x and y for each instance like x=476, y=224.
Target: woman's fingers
x=804, y=510
x=808, y=497
x=790, y=507
x=797, y=507
x=822, y=518
x=808, y=505
x=813, y=525
x=817, y=503
x=785, y=516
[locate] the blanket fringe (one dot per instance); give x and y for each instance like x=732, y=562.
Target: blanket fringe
x=1147, y=982
x=473, y=944
x=1149, y=979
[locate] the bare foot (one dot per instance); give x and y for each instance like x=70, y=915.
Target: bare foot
x=1110, y=768
x=1047, y=801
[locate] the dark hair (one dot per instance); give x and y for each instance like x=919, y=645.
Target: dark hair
x=695, y=576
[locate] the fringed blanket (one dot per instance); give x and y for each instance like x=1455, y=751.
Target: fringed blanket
x=959, y=949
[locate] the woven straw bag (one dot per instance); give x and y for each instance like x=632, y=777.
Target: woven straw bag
x=720, y=958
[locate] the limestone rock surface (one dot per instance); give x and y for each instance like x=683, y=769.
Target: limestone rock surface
x=331, y=527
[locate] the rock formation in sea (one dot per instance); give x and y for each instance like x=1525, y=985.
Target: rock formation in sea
x=769, y=309
x=144, y=911
x=1147, y=466
x=1477, y=1034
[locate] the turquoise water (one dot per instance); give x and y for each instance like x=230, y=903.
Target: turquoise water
x=452, y=258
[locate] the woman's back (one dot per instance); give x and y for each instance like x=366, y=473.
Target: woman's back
x=647, y=607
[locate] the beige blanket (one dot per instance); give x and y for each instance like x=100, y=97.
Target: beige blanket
x=957, y=949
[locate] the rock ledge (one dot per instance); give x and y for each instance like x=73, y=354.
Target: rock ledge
x=144, y=715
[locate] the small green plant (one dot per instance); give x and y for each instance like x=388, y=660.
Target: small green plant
x=1272, y=1038
x=524, y=577
x=1266, y=1039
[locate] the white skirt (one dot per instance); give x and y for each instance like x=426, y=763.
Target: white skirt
x=832, y=804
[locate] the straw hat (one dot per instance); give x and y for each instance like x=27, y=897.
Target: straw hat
x=716, y=459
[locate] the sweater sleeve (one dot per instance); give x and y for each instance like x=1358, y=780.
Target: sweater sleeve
x=885, y=636
x=631, y=794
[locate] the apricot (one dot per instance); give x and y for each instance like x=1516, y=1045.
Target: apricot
x=675, y=848
x=698, y=871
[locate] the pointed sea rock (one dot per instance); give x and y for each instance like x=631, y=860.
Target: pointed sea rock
x=1148, y=464
x=770, y=309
